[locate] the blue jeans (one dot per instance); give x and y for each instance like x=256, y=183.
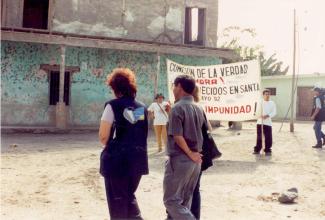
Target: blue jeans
x=318, y=131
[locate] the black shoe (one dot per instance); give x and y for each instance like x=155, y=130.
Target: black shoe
x=268, y=153
x=256, y=152
x=319, y=145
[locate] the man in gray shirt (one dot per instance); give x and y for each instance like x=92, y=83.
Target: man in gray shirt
x=183, y=148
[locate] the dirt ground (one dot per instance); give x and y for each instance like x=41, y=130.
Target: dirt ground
x=50, y=176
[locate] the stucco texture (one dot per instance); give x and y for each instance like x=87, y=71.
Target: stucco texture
x=154, y=20
x=25, y=88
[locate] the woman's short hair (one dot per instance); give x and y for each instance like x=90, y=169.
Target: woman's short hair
x=122, y=81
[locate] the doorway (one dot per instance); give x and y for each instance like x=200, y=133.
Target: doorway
x=304, y=103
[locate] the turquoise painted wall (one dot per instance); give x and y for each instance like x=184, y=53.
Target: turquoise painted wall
x=88, y=89
x=25, y=88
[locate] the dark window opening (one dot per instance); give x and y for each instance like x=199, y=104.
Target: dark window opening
x=272, y=91
x=194, y=26
x=36, y=14
x=55, y=87
x=3, y=13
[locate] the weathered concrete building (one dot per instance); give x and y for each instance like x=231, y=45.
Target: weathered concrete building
x=55, y=54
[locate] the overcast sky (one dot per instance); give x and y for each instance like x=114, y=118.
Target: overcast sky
x=273, y=21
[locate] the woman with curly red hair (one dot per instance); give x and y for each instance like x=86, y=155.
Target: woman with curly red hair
x=123, y=131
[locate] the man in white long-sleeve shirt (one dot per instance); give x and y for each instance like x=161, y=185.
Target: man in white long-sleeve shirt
x=268, y=112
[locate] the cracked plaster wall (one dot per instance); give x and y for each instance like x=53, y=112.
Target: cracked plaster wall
x=141, y=19
x=154, y=20
x=149, y=20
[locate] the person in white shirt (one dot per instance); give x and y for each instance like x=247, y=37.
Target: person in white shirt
x=159, y=112
x=268, y=112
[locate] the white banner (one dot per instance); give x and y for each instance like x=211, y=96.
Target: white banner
x=228, y=92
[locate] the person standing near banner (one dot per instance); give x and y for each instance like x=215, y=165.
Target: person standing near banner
x=268, y=112
x=159, y=112
x=196, y=201
x=184, y=145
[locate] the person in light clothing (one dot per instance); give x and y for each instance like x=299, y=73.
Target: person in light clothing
x=269, y=111
x=159, y=112
x=185, y=140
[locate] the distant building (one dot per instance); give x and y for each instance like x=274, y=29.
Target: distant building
x=55, y=54
x=280, y=87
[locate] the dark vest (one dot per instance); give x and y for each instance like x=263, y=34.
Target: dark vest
x=126, y=149
x=321, y=114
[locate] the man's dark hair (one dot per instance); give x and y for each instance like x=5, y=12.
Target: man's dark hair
x=159, y=95
x=266, y=91
x=317, y=89
x=187, y=83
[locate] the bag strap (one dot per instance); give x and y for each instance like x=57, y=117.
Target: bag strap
x=162, y=110
x=205, y=128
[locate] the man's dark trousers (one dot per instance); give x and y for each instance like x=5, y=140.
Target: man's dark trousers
x=318, y=132
x=122, y=203
x=267, y=130
x=196, y=200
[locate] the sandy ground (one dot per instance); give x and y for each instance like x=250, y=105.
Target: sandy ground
x=56, y=177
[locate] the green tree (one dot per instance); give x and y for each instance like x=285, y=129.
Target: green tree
x=242, y=41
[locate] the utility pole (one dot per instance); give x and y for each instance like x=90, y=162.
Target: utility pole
x=293, y=72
